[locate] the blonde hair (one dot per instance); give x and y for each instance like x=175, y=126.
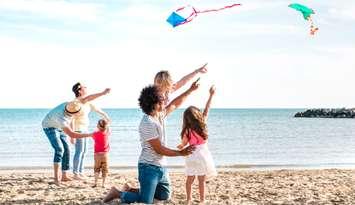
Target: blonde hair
x=163, y=80
x=194, y=120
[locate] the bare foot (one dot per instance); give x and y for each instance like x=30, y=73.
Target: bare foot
x=128, y=187
x=202, y=203
x=112, y=194
x=77, y=177
x=56, y=182
x=83, y=176
x=66, y=179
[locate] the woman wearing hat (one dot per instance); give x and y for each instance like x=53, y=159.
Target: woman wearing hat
x=81, y=124
x=57, y=125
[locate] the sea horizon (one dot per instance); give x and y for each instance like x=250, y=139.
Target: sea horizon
x=258, y=138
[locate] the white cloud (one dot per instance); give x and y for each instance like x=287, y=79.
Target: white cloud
x=347, y=13
x=53, y=9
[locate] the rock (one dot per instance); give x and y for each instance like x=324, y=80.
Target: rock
x=327, y=113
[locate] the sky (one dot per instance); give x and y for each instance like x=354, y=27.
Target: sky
x=259, y=55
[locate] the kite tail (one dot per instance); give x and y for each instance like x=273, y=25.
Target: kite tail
x=195, y=12
x=190, y=17
x=313, y=29
x=214, y=10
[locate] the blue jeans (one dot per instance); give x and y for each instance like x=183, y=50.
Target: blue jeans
x=154, y=183
x=59, y=142
x=80, y=150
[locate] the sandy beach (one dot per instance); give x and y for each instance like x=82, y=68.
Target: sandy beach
x=328, y=186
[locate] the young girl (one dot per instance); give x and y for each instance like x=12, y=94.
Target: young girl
x=200, y=162
x=102, y=148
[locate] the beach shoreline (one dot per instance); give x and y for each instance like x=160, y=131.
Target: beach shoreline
x=179, y=168
x=284, y=186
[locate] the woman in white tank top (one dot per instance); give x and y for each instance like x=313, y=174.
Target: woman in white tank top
x=81, y=124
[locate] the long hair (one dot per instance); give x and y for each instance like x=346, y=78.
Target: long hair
x=193, y=120
x=163, y=80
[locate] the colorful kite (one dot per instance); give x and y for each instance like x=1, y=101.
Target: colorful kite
x=306, y=12
x=187, y=14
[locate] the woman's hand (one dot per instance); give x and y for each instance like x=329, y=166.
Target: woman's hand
x=203, y=69
x=180, y=146
x=188, y=150
x=106, y=91
x=195, y=85
x=72, y=140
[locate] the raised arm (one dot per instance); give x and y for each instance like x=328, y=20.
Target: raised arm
x=181, y=98
x=188, y=77
x=208, y=104
x=100, y=112
x=162, y=150
x=94, y=96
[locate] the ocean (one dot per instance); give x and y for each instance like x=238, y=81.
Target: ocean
x=237, y=138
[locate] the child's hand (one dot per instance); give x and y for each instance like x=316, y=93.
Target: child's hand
x=180, y=146
x=212, y=90
x=72, y=140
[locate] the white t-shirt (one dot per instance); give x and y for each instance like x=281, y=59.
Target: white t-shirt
x=56, y=118
x=151, y=128
x=81, y=120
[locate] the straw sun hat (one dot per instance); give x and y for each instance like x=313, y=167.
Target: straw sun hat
x=73, y=107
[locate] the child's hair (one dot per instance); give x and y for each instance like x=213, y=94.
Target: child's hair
x=194, y=120
x=163, y=80
x=102, y=125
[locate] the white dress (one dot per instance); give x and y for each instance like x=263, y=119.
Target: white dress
x=200, y=162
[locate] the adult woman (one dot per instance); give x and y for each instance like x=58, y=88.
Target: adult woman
x=81, y=124
x=56, y=125
x=153, y=176
x=166, y=85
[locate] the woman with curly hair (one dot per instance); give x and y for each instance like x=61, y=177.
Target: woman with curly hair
x=152, y=174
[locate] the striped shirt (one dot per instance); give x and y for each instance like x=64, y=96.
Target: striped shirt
x=151, y=128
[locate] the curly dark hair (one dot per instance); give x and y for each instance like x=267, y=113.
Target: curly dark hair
x=148, y=98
